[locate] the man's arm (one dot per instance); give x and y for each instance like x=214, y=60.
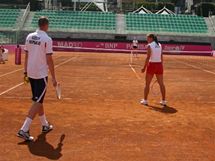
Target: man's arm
x=26, y=80
x=147, y=59
x=26, y=56
x=26, y=62
x=51, y=68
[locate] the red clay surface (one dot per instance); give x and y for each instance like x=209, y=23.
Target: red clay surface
x=100, y=118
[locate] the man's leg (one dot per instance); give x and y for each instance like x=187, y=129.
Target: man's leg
x=42, y=117
x=41, y=111
x=38, y=87
x=46, y=126
x=2, y=60
x=31, y=115
x=24, y=131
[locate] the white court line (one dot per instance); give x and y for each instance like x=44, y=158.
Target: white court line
x=56, y=66
x=10, y=89
x=85, y=99
x=14, y=71
x=138, y=77
x=199, y=68
x=47, y=98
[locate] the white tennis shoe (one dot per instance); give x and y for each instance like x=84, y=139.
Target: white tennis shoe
x=163, y=103
x=25, y=135
x=46, y=129
x=144, y=102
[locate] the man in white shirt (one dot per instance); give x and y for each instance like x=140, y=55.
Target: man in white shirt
x=38, y=60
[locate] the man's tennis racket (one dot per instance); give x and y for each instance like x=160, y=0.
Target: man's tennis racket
x=155, y=88
x=58, y=91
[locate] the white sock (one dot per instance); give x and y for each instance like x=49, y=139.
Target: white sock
x=26, y=125
x=43, y=120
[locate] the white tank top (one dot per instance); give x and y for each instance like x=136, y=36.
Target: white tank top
x=156, y=52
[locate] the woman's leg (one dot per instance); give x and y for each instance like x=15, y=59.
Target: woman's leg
x=162, y=86
x=147, y=86
x=136, y=52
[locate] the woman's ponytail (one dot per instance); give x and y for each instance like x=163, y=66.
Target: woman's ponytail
x=156, y=40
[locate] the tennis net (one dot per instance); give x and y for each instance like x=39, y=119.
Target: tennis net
x=114, y=57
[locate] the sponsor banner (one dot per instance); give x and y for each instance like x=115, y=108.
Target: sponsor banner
x=126, y=47
x=123, y=47
x=11, y=48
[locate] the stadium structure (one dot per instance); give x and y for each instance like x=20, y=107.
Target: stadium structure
x=107, y=21
x=102, y=112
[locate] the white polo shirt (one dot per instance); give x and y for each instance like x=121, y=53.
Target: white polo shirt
x=156, y=52
x=38, y=45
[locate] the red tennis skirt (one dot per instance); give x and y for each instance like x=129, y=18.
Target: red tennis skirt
x=154, y=68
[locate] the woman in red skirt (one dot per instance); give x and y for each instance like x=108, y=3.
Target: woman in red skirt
x=154, y=66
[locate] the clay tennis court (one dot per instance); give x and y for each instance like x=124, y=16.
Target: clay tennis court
x=99, y=117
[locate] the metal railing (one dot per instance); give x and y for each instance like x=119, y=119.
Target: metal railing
x=24, y=16
x=22, y=22
x=212, y=21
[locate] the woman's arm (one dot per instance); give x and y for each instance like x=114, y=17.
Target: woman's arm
x=162, y=56
x=147, y=59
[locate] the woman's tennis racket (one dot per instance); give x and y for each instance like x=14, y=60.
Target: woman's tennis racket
x=58, y=91
x=155, y=88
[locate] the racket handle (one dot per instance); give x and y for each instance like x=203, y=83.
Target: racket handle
x=26, y=80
